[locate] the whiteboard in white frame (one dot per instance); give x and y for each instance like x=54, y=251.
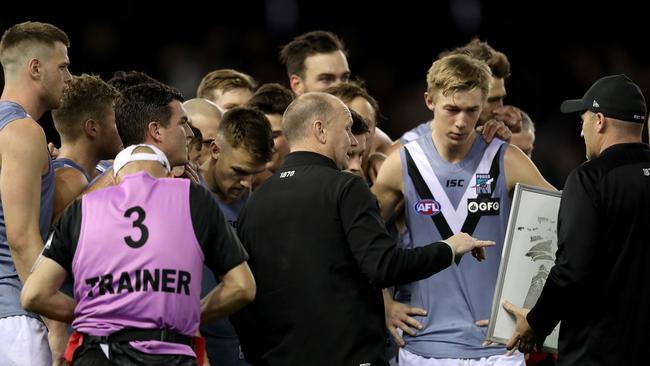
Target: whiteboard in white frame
x=528, y=255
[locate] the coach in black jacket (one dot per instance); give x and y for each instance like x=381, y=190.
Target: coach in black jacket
x=599, y=287
x=320, y=253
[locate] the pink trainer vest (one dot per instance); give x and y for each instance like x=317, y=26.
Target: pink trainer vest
x=138, y=262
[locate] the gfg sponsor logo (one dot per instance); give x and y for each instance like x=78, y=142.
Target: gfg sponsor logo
x=483, y=207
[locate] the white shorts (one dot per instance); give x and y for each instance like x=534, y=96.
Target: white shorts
x=407, y=358
x=23, y=342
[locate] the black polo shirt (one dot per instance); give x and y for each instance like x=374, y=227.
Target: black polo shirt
x=320, y=254
x=600, y=285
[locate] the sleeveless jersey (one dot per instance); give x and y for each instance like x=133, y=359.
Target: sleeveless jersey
x=103, y=166
x=67, y=163
x=10, y=284
x=442, y=199
x=421, y=130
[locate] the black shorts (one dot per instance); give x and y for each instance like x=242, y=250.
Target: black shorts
x=124, y=355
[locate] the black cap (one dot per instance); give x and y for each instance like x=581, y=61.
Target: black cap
x=615, y=96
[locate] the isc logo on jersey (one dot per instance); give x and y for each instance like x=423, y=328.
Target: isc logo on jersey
x=427, y=207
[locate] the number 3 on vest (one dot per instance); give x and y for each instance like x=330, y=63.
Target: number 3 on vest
x=144, y=231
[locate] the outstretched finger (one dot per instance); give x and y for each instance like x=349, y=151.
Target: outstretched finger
x=510, y=307
x=417, y=311
x=484, y=243
x=412, y=322
x=482, y=323
x=407, y=329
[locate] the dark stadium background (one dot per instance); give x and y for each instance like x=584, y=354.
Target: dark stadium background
x=557, y=49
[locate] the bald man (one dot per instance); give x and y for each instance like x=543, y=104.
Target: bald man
x=206, y=116
x=320, y=252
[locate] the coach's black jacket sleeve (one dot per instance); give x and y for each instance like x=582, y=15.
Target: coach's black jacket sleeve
x=375, y=251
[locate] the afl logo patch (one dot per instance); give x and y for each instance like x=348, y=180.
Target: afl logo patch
x=427, y=207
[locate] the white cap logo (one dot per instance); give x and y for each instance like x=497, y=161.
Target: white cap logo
x=595, y=104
